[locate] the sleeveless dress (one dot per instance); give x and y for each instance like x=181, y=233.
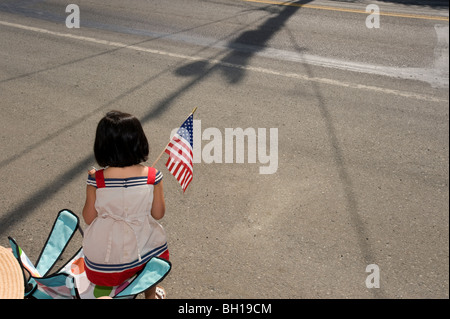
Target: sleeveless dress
x=124, y=236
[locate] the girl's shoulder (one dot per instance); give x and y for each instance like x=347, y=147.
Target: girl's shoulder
x=151, y=176
x=154, y=176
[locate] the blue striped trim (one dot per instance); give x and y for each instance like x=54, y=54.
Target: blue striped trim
x=158, y=177
x=105, y=268
x=125, y=182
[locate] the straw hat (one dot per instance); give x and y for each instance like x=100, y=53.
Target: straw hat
x=11, y=276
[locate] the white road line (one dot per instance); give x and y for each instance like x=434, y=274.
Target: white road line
x=405, y=94
x=441, y=52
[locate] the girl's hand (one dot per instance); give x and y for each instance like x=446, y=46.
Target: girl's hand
x=92, y=171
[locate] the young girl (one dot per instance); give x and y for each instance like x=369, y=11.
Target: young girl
x=123, y=202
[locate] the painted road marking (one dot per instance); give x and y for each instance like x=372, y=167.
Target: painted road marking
x=405, y=94
x=321, y=7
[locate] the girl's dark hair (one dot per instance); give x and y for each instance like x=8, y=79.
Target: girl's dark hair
x=120, y=141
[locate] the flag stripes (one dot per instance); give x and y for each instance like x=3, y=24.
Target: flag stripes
x=180, y=151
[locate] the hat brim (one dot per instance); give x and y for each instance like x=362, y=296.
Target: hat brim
x=11, y=276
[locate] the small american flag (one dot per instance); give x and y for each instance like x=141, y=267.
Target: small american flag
x=180, y=153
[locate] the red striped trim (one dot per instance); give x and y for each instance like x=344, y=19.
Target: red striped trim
x=100, y=178
x=151, y=175
x=115, y=279
x=110, y=279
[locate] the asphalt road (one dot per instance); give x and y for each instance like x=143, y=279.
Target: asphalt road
x=358, y=153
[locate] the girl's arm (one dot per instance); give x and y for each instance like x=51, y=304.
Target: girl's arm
x=89, y=211
x=159, y=205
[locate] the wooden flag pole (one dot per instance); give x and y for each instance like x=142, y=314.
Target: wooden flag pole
x=154, y=163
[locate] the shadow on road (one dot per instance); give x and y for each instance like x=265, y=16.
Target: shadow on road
x=239, y=52
x=244, y=46
x=251, y=42
x=22, y=210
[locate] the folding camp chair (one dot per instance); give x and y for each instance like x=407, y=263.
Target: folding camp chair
x=70, y=281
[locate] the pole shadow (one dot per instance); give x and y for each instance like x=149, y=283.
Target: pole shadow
x=351, y=198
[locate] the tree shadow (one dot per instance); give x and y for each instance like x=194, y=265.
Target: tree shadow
x=249, y=43
x=246, y=45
